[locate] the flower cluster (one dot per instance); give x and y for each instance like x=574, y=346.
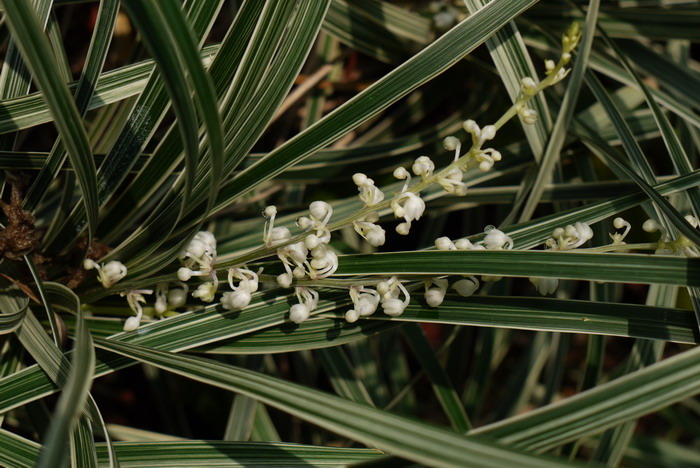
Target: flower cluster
x=494, y=239
x=323, y=262
x=365, y=302
x=680, y=246
x=570, y=237
x=309, y=257
x=240, y=296
x=168, y=299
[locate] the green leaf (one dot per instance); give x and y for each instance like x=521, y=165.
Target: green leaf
x=11, y=320
x=16, y=451
x=427, y=64
x=415, y=441
x=513, y=63
x=20, y=452
x=36, y=51
x=625, y=268
x=94, y=61
x=70, y=407
x=565, y=115
x=203, y=88
x=163, y=43
x=343, y=378
x=627, y=397
x=444, y=389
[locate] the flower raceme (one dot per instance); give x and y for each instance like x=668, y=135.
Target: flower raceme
x=308, y=258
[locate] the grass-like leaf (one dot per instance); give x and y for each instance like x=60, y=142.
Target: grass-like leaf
x=37, y=54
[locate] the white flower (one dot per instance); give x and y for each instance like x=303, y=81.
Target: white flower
x=236, y=300
x=135, y=298
x=132, y=323
x=352, y=315
x=545, y=285
x=299, y=313
x=444, y=243
x=424, y=167
x=620, y=223
x=372, y=233
x=369, y=193
x=321, y=212
x=390, y=290
x=410, y=207
x=570, y=237
x=199, y=257
x=529, y=116
x=365, y=301
x=496, y=239
x=278, y=235
x=107, y=274
x=529, y=86
x=466, y=287
x=270, y=213
x=308, y=301
x=161, y=304
x=486, y=158
x=452, y=182
x=324, y=263
x=285, y=280
x=452, y=143
x=435, y=295
x=241, y=295
x=177, y=296
x=206, y=291
x=479, y=135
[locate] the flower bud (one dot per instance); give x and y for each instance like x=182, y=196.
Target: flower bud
x=467, y=286
x=177, y=298
x=451, y=143
x=132, y=323
x=351, y=316
x=444, y=243
x=298, y=313
x=184, y=274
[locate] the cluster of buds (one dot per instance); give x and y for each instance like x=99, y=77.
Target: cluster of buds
x=485, y=157
x=323, y=262
x=452, y=181
x=494, y=239
x=308, y=301
x=370, y=195
x=570, y=237
x=312, y=258
x=407, y=205
x=529, y=89
x=240, y=296
x=199, y=259
x=107, y=274
x=390, y=292
x=680, y=246
x=170, y=298
x=365, y=302
x=373, y=233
